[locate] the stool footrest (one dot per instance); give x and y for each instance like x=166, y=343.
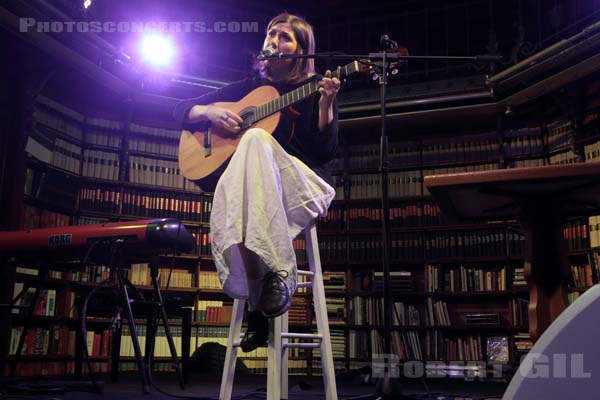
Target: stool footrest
x=304, y=284
x=301, y=345
x=292, y=335
x=305, y=273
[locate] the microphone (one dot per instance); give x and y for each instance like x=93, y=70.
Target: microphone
x=266, y=53
x=386, y=43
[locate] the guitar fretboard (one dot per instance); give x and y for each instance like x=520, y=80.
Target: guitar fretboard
x=299, y=94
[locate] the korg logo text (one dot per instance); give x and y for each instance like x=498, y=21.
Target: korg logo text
x=56, y=240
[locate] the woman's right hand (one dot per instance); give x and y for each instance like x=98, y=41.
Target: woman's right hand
x=218, y=116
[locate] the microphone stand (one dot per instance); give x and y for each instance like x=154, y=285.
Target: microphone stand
x=387, y=387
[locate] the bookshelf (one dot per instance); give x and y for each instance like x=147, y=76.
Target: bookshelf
x=458, y=290
x=466, y=292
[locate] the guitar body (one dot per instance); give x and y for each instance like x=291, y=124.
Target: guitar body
x=200, y=160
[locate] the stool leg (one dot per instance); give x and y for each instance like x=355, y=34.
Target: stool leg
x=284, y=358
x=314, y=261
x=274, y=360
x=233, y=341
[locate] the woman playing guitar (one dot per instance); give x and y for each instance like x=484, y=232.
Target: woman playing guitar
x=277, y=180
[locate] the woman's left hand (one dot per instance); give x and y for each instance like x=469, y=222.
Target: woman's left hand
x=328, y=87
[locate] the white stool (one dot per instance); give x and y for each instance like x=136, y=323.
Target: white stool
x=277, y=366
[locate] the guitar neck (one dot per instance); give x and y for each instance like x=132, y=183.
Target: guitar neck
x=300, y=93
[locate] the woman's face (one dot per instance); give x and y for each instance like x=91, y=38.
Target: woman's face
x=282, y=39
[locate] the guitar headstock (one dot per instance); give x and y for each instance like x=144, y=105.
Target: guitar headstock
x=366, y=66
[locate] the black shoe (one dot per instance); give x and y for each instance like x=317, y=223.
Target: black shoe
x=275, y=297
x=257, y=332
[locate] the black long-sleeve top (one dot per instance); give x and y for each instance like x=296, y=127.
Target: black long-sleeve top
x=311, y=146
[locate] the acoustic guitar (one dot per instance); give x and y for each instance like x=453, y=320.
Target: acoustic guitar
x=204, y=155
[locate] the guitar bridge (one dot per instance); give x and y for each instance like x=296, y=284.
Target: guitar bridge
x=207, y=143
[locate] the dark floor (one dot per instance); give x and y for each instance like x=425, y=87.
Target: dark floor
x=253, y=387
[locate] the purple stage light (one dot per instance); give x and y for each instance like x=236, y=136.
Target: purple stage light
x=158, y=50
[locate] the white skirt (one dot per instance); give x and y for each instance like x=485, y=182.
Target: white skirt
x=264, y=199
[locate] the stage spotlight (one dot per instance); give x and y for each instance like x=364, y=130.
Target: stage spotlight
x=87, y=4
x=158, y=50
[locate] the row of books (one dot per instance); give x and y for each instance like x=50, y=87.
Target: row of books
x=368, y=156
x=52, y=113
x=98, y=137
x=153, y=147
x=336, y=310
x=88, y=273
x=520, y=312
x=480, y=243
x=161, y=344
x=299, y=246
x=50, y=302
x=401, y=282
x=431, y=245
x=584, y=275
x=213, y=311
x=522, y=343
x=438, y=346
x=464, y=279
x=592, y=151
x=145, y=203
x=524, y=142
x=406, y=215
x=409, y=215
x=577, y=234
x=465, y=148
x=338, y=344
x=204, y=241
x=334, y=281
x=208, y=280
x=559, y=134
x=400, y=184
x=566, y=157
x=155, y=172
x=140, y=274
x=100, y=198
x=403, y=246
x=100, y=164
x=46, y=302
x=519, y=277
x=51, y=120
x=528, y=163
x=436, y=313
x=332, y=248
x=369, y=311
x=58, y=341
x=67, y=156
x=299, y=312
x=156, y=132
x=405, y=344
